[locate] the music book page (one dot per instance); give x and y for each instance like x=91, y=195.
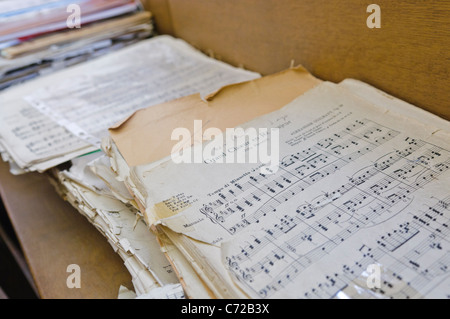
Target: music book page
x=356, y=188
x=151, y=72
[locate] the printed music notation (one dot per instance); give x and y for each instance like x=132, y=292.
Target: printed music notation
x=301, y=171
x=426, y=263
x=295, y=239
x=39, y=135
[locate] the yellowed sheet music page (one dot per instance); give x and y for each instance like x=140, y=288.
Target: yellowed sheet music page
x=358, y=192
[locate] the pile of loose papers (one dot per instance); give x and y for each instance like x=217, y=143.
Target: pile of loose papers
x=42, y=36
x=62, y=117
x=52, y=119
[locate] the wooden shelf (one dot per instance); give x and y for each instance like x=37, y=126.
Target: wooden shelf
x=53, y=235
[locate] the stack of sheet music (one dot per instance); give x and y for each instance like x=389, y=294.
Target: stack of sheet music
x=348, y=198
x=327, y=190
x=87, y=186
x=41, y=36
x=63, y=116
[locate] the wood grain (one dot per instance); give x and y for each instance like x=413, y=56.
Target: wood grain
x=408, y=57
x=54, y=235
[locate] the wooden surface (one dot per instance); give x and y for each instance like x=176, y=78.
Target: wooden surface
x=408, y=57
x=54, y=235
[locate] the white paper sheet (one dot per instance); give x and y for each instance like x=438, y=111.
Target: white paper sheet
x=149, y=73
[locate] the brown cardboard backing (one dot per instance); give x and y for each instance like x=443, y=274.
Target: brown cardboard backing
x=145, y=137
